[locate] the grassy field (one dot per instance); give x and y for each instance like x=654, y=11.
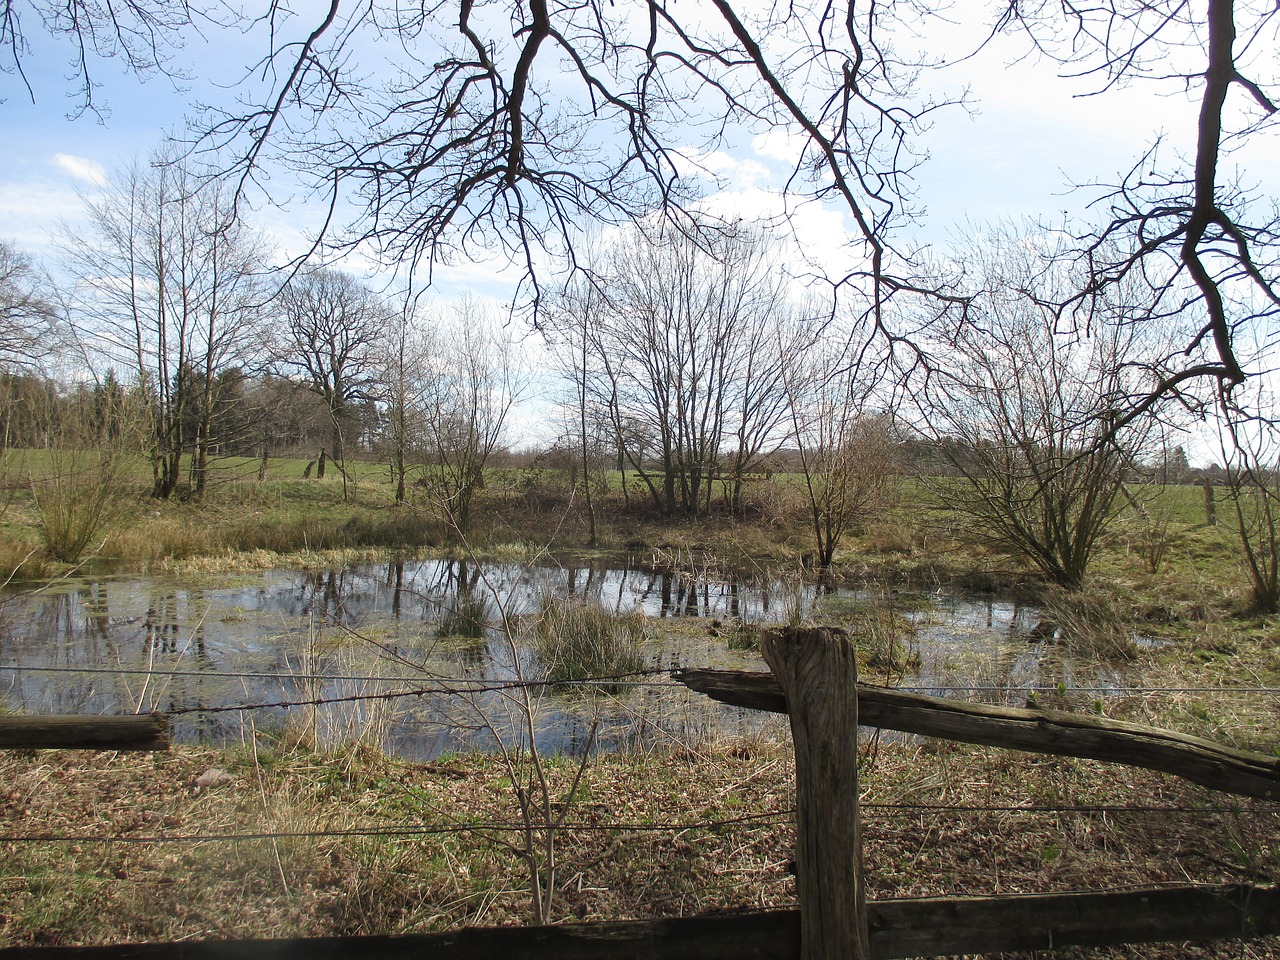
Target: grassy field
x=286, y=841
x=284, y=513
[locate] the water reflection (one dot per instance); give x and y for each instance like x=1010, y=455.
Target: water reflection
x=125, y=644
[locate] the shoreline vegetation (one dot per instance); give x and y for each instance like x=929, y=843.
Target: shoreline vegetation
x=274, y=838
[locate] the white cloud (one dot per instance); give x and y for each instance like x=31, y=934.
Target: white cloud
x=31, y=209
x=722, y=167
x=749, y=173
x=780, y=144
x=81, y=168
x=817, y=236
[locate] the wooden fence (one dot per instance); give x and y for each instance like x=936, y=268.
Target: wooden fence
x=146, y=732
x=814, y=680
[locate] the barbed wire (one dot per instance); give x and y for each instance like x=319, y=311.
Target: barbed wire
x=769, y=818
x=619, y=679
x=464, y=688
x=779, y=817
x=335, y=677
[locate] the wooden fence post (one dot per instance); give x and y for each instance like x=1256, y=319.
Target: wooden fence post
x=818, y=673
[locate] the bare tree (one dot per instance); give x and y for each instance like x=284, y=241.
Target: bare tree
x=141, y=34
x=1199, y=243
x=503, y=127
x=845, y=446
x=28, y=309
x=578, y=309
x=29, y=317
x=167, y=287
x=475, y=384
x=682, y=345
x=404, y=375
x=332, y=330
x=1251, y=456
x=1022, y=407
x=229, y=327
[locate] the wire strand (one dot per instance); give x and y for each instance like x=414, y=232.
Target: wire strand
x=769, y=818
x=618, y=679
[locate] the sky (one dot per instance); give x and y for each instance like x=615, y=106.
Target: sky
x=1029, y=136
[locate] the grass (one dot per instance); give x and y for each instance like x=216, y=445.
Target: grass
x=976, y=822
x=579, y=640
x=282, y=515
x=916, y=542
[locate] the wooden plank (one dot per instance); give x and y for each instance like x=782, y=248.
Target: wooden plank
x=898, y=929
x=1047, y=922
x=818, y=669
x=143, y=732
x=1195, y=759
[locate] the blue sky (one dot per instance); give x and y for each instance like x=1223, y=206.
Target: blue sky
x=1031, y=137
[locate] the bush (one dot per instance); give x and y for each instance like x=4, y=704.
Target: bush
x=76, y=500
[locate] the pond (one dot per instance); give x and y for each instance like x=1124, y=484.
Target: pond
x=412, y=657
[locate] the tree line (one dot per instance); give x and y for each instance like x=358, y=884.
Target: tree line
x=688, y=361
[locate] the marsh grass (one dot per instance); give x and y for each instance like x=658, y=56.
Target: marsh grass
x=20, y=560
x=739, y=634
x=355, y=718
x=578, y=640
x=466, y=617
x=1095, y=625
x=883, y=635
x=280, y=523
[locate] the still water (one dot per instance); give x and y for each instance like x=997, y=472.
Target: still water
x=411, y=656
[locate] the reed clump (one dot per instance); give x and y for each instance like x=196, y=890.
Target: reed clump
x=1094, y=625
x=580, y=640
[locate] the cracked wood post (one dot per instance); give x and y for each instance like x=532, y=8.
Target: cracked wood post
x=819, y=676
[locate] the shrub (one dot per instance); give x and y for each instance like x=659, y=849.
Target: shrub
x=76, y=500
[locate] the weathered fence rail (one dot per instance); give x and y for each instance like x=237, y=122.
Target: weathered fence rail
x=142, y=732
x=1042, y=731
x=896, y=929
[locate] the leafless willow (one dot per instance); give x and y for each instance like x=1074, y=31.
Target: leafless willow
x=843, y=441
x=683, y=348
x=473, y=384
x=1250, y=447
x=1022, y=408
x=167, y=287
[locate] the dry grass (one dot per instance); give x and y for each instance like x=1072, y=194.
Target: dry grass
x=678, y=832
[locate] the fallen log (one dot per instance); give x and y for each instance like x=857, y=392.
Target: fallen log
x=141, y=732
x=1201, y=761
